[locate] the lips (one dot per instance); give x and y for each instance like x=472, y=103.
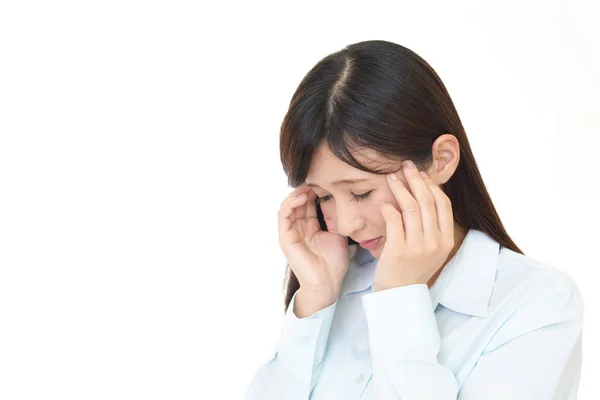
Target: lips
x=361, y=242
x=371, y=244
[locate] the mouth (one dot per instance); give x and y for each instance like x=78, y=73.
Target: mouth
x=371, y=244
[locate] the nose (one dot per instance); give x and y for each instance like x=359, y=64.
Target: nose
x=349, y=219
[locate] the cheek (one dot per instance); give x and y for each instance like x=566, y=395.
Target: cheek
x=330, y=217
x=328, y=211
x=376, y=221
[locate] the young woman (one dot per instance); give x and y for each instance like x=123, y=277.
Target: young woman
x=402, y=282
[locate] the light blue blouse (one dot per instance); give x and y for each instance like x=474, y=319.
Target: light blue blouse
x=495, y=325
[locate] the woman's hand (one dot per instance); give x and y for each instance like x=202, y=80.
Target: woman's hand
x=319, y=259
x=419, y=238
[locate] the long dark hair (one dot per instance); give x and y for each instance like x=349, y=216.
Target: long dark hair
x=382, y=96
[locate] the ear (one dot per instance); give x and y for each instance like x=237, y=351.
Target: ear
x=445, y=152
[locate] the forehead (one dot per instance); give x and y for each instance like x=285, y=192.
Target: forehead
x=325, y=166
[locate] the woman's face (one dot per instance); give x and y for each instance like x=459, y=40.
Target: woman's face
x=351, y=208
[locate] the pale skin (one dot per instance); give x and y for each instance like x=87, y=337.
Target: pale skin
x=411, y=213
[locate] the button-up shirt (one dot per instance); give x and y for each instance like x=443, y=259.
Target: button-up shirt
x=496, y=324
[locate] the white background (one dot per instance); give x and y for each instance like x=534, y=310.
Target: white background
x=140, y=175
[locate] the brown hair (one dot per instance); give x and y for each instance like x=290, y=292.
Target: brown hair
x=382, y=96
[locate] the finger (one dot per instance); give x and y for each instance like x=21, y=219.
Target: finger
x=422, y=194
x=443, y=205
x=311, y=207
x=286, y=214
x=308, y=207
x=410, y=209
x=289, y=207
x=300, y=189
x=431, y=228
x=300, y=209
x=295, y=193
x=305, y=210
x=308, y=212
x=394, y=225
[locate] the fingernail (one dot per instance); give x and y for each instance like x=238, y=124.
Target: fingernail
x=393, y=177
x=423, y=174
x=408, y=164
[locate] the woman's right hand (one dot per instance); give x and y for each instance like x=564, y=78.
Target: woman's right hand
x=319, y=259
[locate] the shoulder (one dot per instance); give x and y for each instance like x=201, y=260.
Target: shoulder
x=522, y=275
x=530, y=295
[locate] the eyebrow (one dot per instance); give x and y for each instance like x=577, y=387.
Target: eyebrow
x=341, y=182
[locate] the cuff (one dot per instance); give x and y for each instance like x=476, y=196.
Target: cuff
x=401, y=320
x=304, y=339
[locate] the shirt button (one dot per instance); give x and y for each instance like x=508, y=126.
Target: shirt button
x=304, y=340
x=360, y=378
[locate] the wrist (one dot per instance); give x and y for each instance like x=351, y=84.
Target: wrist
x=311, y=301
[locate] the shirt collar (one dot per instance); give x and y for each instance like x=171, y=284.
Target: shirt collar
x=465, y=284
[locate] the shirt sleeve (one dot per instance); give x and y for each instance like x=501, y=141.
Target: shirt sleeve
x=404, y=342
x=536, y=354
x=296, y=363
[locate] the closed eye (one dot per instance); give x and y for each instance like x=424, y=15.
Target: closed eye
x=361, y=197
x=322, y=199
x=355, y=197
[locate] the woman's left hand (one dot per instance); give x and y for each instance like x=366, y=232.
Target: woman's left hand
x=419, y=237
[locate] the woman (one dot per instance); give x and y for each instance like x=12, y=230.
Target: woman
x=408, y=287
